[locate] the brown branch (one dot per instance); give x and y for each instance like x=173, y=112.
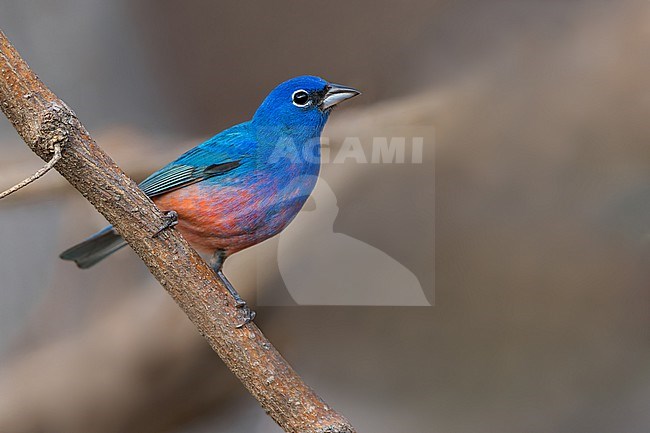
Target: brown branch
x=43, y=120
x=40, y=173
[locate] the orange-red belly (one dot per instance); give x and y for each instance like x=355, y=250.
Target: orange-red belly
x=228, y=218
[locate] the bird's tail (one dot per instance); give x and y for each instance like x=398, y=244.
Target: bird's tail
x=97, y=247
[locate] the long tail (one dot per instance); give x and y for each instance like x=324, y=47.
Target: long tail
x=97, y=247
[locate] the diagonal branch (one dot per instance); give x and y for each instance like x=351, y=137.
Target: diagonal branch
x=40, y=173
x=44, y=121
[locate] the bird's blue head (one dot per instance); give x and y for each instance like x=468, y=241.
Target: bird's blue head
x=299, y=108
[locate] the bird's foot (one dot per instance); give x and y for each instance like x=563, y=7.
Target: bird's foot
x=170, y=219
x=248, y=314
x=241, y=305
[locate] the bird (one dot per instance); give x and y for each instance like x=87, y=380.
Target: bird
x=239, y=187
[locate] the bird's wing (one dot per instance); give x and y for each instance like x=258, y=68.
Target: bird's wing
x=176, y=176
x=215, y=157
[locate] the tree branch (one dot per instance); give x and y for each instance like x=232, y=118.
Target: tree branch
x=43, y=120
x=40, y=173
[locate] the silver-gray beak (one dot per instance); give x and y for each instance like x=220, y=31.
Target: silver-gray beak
x=337, y=93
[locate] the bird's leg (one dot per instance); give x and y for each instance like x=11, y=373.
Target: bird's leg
x=239, y=302
x=216, y=262
x=170, y=219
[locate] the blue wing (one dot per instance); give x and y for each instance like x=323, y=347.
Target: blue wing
x=217, y=156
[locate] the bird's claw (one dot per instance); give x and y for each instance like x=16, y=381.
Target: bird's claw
x=240, y=303
x=249, y=314
x=170, y=219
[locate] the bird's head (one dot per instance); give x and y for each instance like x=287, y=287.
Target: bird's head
x=300, y=107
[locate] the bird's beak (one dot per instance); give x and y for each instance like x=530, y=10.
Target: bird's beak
x=337, y=93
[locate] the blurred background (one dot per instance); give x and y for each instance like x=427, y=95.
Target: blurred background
x=538, y=115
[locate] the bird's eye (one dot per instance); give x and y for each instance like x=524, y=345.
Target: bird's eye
x=300, y=98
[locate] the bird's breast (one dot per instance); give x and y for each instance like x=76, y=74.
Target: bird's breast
x=233, y=216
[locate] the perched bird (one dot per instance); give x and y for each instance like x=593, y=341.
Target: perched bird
x=242, y=186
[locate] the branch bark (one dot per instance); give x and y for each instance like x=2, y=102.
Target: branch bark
x=43, y=120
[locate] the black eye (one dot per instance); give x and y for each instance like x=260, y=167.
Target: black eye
x=300, y=98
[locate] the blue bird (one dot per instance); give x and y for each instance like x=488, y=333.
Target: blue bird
x=242, y=186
